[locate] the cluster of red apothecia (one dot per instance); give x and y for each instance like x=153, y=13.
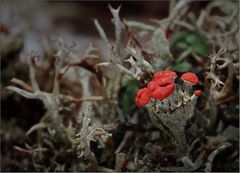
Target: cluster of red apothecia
x=163, y=86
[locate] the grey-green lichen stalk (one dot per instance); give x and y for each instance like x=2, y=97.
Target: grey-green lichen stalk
x=171, y=105
x=172, y=114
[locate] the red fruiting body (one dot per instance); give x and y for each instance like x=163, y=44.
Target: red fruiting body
x=168, y=33
x=152, y=86
x=163, y=86
x=142, y=98
x=190, y=77
x=163, y=92
x=161, y=89
x=164, y=81
x=197, y=93
x=165, y=74
x=3, y=29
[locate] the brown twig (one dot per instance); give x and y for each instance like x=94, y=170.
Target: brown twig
x=29, y=151
x=228, y=99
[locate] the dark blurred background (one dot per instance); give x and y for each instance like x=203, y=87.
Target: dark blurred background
x=79, y=15
x=24, y=27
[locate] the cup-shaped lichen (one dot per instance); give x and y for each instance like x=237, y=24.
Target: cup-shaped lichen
x=172, y=105
x=171, y=116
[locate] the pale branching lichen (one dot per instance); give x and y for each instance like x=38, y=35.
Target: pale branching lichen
x=86, y=135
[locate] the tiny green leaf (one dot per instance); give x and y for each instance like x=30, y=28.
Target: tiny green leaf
x=127, y=99
x=181, y=67
x=126, y=80
x=178, y=39
x=182, y=45
x=198, y=43
x=184, y=40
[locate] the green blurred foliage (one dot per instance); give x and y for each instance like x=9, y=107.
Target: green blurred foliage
x=181, y=67
x=127, y=98
x=186, y=43
x=185, y=40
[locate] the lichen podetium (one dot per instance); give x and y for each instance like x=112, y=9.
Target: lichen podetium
x=172, y=112
x=171, y=116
